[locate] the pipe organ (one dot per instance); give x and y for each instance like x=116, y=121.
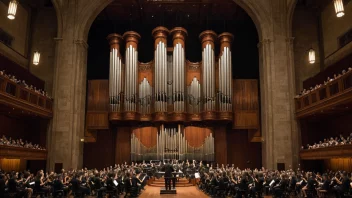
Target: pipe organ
x=170, y=88
x=171, y=143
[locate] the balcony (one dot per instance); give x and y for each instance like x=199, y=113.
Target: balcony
x=22, y=153
x=337, y=93
x=19, y=97
x=341, y=151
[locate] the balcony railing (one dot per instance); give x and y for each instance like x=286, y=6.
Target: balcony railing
x=337, y=91
x=340, y=151
x=18, y=96
x=22, y=153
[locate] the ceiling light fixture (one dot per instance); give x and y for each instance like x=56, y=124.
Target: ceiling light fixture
x=12, y=9
x=311, y=56
x=339, y=8
x=36, y=58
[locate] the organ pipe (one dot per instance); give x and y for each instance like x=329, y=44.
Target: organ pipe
x=225, y=73
x=178, y=95
x=208, y=69
x=131, y=62
x=160, y=68
x=115, y=73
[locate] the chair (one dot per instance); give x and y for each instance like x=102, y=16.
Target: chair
x=38, y=193
x=322, y=193
x=58, y=193
x=311, y=193
x=110, y=193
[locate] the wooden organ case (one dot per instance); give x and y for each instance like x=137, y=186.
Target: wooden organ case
x=181, y=107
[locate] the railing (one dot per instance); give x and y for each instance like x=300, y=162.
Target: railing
x=333, y=89
x=24, y=98
x=339, y=151
x=22, y=153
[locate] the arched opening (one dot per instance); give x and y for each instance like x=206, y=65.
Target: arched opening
x=119, y=17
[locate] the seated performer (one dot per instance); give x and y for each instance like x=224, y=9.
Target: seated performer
x=168, y=174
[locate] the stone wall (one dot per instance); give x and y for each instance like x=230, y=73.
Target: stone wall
x=44, y=30
x=305, y=33
x=334, y=27
x=19, y=30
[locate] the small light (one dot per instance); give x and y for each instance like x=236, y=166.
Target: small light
x=141, y=8
x=36, y=58
x=82, y=139
x=12, y=9
x=339, y=8
x=188, y=15
x=152, y=16
x=311, y=56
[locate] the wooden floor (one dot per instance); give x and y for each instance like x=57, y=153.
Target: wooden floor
x=184, y=192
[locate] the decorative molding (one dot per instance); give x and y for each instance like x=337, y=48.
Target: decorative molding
x=144, y=67
x=263, y=42
x=194, y=66
x=83, y=43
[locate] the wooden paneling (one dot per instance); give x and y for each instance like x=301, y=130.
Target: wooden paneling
x=147, y=135
x=10, y=164
x=195, y=136
x=101, y=153
x=123, y=145
x=220, y=143
x=335, y=94
x=246, y=104
x=338, y=164
x=98, y=104
x=342, y=151
x=97, y=120
x=98, y=95
x=193, y=70
x=146, y=71
x=22, y=153
x=19, y=97
x=241, y=152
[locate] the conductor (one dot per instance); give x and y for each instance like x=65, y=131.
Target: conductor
x=168, y=174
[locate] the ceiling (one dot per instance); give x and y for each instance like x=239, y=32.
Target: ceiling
x=173, y=12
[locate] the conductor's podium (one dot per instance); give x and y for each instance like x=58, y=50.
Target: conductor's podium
x=181, y=182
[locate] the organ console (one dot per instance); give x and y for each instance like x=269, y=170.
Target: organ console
x=170, y=88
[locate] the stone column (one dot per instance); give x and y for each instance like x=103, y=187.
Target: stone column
x=69, y=94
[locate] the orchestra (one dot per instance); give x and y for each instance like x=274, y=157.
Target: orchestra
x=130, y=180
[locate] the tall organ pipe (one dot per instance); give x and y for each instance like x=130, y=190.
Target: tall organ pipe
x=115, y=72
x=225, y=76
x=160, y=68
x=178, y=36
x=208, y=69
x=131, y=86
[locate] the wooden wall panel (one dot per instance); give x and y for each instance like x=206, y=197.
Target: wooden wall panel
x=195, y=136
x=145, y=71
x=336, y=164
x=220, y=144
x=123, y=145
x=10, y=164
x=98, y=96
x=246, y=104
x=193, y=70
x=101, y=153
x=147, y=135
x=241, y=153
x=97, y=104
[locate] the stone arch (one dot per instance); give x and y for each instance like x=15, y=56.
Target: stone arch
x=59, y=18
x=291, y=9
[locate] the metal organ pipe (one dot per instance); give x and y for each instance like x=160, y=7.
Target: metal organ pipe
x=178, y=37
x=225, y=88
x=208, y=69
x=160, y=68
x=132, y=38
x=115, y=72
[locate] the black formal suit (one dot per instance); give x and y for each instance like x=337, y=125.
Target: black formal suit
x=168, y=175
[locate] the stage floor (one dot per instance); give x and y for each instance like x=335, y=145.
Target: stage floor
x=186, y=192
